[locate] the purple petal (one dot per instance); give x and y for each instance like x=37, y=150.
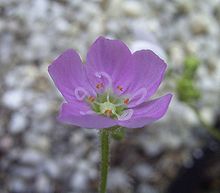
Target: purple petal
x=73, y=113
x=148, y=112
x=148, y=73
x=112, y=57
x=67, y=73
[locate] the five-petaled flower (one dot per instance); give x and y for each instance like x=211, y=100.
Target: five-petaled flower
x=112, y=88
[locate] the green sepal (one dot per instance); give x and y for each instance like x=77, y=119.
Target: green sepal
x=118, y=133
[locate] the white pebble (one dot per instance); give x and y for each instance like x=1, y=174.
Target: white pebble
x=132, y=8
x=18, y=123
x=13, y=99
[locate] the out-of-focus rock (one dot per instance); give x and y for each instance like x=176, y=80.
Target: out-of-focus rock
x=118, y=180
x=31, y=157
x=79, y=181
x=132, y=8
x=43, y=184
x=18, y=123
x=13, y=99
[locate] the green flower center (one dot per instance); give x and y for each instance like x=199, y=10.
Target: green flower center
x=108, y=104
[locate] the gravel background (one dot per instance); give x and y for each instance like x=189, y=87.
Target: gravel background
x=40, y=155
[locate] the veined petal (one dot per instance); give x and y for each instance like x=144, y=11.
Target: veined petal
x=148, y=112
x=68, y=73
x=149, y=72
x=111, y=57
x=79, y=114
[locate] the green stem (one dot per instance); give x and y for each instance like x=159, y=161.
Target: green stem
x=212, y=130
x=104, y=142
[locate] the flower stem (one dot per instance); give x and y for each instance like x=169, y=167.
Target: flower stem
x=104, y=142
x=212, y=130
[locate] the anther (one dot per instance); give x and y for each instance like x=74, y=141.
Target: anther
x=126, y=101
x=120, y=88
x=105, y=75
x=100, y=85
x=91, y=99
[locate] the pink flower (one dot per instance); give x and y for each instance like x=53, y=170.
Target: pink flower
x=112, y=88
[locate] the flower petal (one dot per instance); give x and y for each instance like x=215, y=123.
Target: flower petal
x=148, y=112
x=148, y=74
x=111, y=57
x=79, y=114
x=68, y=73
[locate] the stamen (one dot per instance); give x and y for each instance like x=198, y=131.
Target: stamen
x=100, y=85
x=91, y=99
x=80, y=93
x=87, y=112
x=120, y=88
x=126, y=115
x=126, y=101
x=108, y=100
x=105, y=75
x=142, y=92
x=98, y=103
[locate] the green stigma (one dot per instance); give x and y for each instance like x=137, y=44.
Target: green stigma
x=108, y=104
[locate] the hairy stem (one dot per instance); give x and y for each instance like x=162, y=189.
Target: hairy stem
x=104, y=143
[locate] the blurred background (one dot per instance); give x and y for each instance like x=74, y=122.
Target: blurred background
x=178, y=154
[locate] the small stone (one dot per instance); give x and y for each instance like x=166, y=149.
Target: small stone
x=62, y=25
x=43, y=184
x=17, y=185
x=31, y=157
x=18, y=123
x=132, y=8
x=199, y=24
x=42, y=107
x=24, y=172
x=146, y=189
x=208, y=115
x=22, y=76
x=6, y=143
x=198, y=153
x=118, y=180
x=184, y=6
x=76, y=138
x=93, y=157
x=144, y=171
x=79, y=181
x=182, y=113
x=52, y=169
x=151, y=146
x=13, y=99
x=36, y=141
x=177, y=54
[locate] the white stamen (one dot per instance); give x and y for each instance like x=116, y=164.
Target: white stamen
x=126, y=115
x=80, y=93
x=105, y=75
x=142, y=92
x=108, y=97
x=96, y=102
x=87, y=113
